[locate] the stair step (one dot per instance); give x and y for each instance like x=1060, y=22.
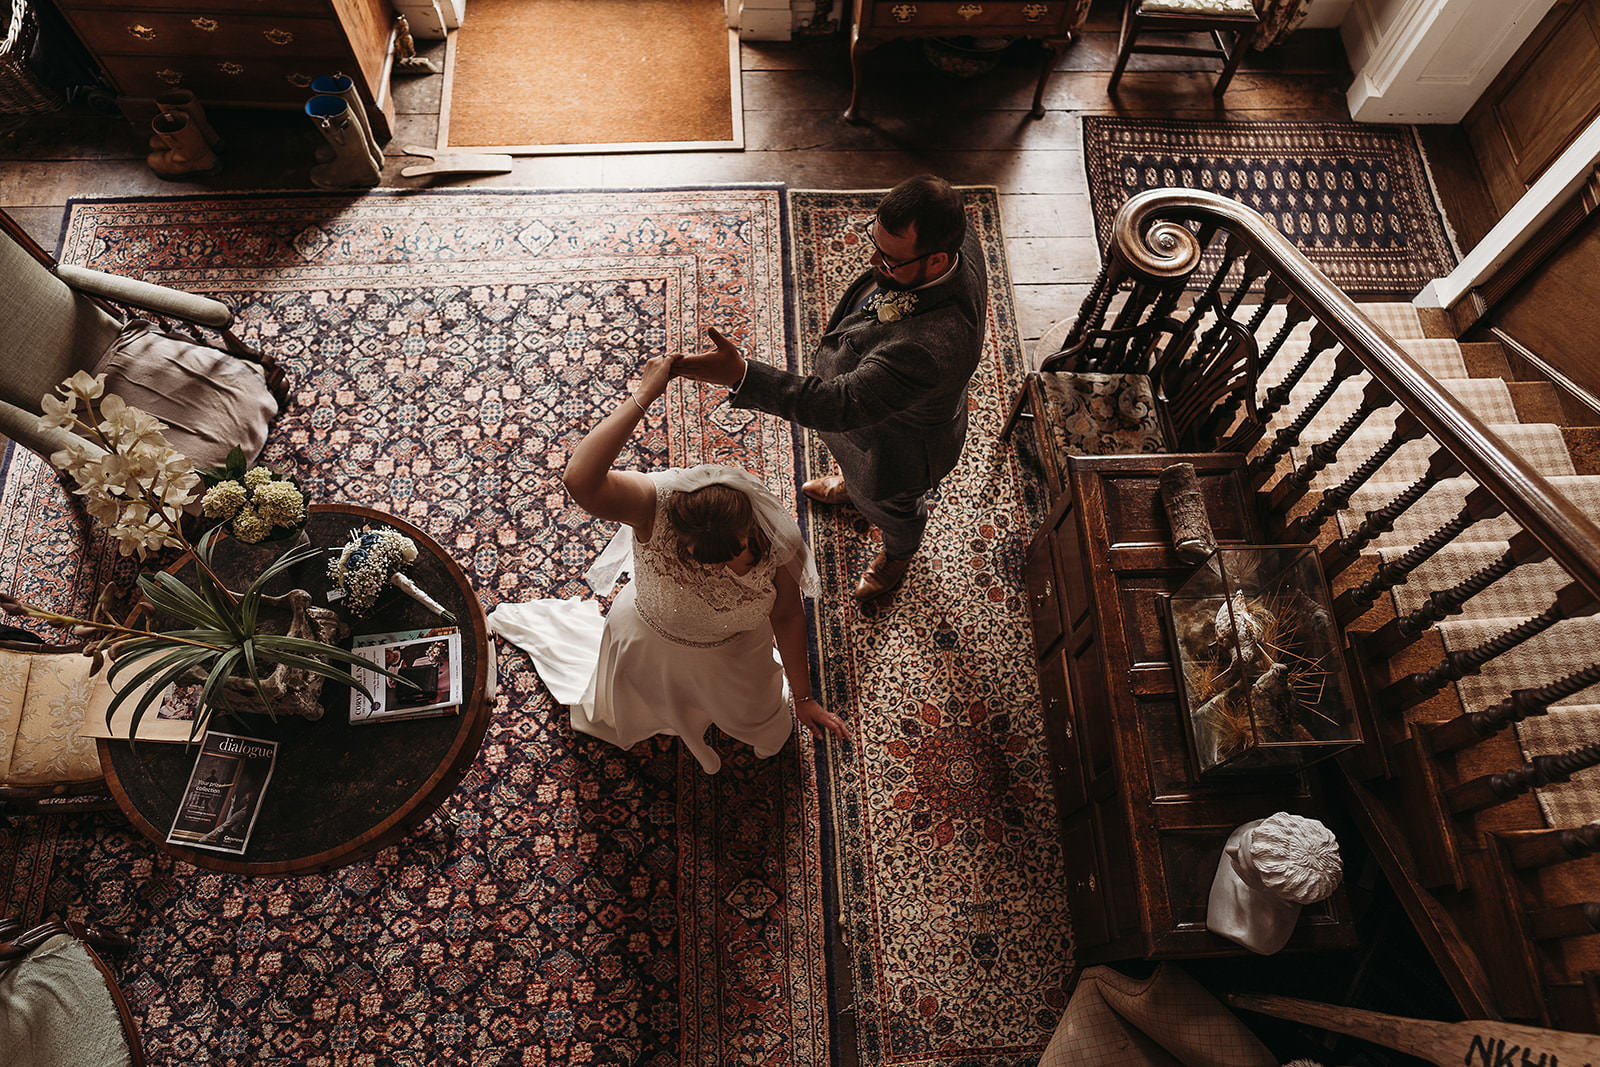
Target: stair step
x=1567, y=646
x=1442, y=503
x=1583, y=445
x=1440, y=358
x=1395, y=319
x=1491, y=399
x=1568, y=726
x=1537, y=402
x=1543, y=446
x=1485, y=359
x=1523, y=592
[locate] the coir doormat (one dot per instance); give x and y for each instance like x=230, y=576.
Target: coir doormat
x=1356, y=199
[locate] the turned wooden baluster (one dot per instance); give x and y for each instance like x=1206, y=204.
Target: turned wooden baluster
x=1490, y=789
x=1572, y=600
x=1470, y=727
x=1401, y=631
x=1563, y=920
x=1543, y=848
x=1292, y=486
x=1091, y=313
x=1139, y=362
x=1261, y=467
x=1333, y=501
x=1320, y=341
x=1354, y=602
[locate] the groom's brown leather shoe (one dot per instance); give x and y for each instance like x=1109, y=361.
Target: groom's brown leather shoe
x=882, y=575
x=828, y=489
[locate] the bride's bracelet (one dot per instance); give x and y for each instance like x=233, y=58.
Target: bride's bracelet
x=638, y=405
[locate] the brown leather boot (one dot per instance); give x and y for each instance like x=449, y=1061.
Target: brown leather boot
x=184, y=100
x=185, y=154
x=828, y=489
x=882, y=575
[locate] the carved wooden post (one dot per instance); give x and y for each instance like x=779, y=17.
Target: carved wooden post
x=1488, y=790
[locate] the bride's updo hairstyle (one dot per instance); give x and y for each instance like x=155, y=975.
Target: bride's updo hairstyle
x=712, y=521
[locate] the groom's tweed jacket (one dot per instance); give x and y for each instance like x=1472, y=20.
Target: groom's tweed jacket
x=889, y=398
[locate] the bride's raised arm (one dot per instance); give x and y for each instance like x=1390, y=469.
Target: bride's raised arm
x=598, y=488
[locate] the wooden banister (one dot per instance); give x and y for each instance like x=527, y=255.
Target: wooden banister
x=1151, y=242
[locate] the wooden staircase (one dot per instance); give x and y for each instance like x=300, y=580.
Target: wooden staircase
x=1454, y=508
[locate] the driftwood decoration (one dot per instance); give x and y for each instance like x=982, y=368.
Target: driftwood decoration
x=1186, y=513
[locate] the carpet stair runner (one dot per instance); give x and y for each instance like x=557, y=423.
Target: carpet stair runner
x=1527, y=416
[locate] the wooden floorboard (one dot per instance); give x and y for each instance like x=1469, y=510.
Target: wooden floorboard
x=972, y=130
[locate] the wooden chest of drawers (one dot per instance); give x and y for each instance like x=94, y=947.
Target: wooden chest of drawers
x=877, y=21
x=1141, y=832
x=238, y=53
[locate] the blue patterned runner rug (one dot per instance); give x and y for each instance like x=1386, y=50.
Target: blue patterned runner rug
x=952, y=883
x=570, y=903
x=1357, y=199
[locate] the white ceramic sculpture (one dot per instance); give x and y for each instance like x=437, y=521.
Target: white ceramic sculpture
x=1269, y=870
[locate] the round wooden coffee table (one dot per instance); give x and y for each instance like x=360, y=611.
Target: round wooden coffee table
x=338, y=792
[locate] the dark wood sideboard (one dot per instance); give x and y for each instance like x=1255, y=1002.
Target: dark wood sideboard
x=877, y=21
x=238, y=53
x=1142, y=833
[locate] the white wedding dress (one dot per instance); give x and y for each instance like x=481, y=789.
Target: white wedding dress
x=685, y=645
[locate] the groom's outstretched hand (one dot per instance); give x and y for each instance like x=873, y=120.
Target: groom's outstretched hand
x=720, y=365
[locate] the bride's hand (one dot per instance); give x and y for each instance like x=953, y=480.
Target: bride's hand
x=657, y=373
x=818, y=718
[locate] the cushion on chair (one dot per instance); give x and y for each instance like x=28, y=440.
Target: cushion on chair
x=210, y=400
x=1090, y=414
x=1232, y=9
x=1165, y=1020
x=55, y=1010
x=44, y=700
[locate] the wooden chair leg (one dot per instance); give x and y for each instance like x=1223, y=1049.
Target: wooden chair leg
x=1240, y=46
x=1130, y=31
x=1017, y=404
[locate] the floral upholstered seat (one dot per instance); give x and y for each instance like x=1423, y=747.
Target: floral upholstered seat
x=1090, y=414
x=45, y=697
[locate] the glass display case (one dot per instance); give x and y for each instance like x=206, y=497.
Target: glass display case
x=1260, y=662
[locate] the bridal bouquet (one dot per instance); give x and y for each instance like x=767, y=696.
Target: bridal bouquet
x=369, y=562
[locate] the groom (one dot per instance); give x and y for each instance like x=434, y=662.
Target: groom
x=889, y=392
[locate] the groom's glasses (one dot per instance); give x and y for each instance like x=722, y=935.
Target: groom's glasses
x=868, y=228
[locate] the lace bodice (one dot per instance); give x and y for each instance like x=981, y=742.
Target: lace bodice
x=692, y=603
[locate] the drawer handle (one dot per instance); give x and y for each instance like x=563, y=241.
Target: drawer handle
x=299, y=81
x=1066, y=728
x=205, y=25
x=277, y=36
x=1034, y=12
x=170, y=76
x=142, y=32
x=969, y=11
x=231, y=69
x=1044, y=594
x=903, y=12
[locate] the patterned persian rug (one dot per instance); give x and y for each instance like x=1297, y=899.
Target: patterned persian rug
x=952, y=879
x=570, y=903
x=1355, y=198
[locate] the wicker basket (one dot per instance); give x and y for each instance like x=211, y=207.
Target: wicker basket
x=21, y=91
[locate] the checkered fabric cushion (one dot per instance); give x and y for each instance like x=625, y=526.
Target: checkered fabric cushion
x=1230, y=9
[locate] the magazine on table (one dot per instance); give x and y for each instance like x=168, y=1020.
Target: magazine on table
x=219, y=805
x=430, y=660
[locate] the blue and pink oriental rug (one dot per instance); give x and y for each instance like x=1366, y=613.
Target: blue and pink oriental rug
x=572, y=903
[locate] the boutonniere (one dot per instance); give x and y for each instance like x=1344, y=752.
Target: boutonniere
x=890, y=305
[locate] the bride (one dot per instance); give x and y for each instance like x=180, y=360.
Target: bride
x=718, y=570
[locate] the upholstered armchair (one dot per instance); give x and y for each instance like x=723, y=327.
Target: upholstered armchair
x=59, y=1002
x=56, y=320
x=47, y=693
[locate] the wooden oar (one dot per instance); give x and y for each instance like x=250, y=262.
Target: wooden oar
x=1474, y=1043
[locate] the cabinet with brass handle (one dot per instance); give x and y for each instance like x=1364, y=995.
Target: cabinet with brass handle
x=241, y=53
x=878, y=21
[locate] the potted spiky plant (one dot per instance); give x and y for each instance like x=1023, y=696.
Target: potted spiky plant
x=247, y=651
